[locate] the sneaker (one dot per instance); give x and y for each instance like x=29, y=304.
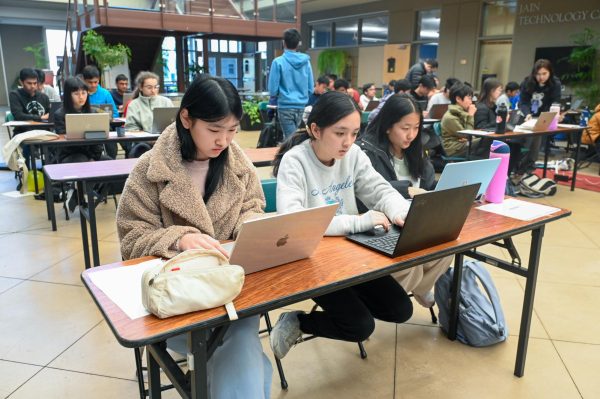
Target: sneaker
x=426, y=300
x=285, y=334
x=71, y=200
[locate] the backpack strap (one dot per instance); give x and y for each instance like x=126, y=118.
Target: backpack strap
x=486, y=280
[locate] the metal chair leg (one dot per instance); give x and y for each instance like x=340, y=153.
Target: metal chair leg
x=434, y=319
x=363, y=352
x=284, y=383
x=138, y=371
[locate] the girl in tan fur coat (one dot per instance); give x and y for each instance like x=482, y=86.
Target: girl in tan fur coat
x=193, y=188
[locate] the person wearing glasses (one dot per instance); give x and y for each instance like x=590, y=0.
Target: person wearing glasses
x=139, y=111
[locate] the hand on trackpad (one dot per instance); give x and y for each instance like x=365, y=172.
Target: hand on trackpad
x=228, y=247
x=376, y=231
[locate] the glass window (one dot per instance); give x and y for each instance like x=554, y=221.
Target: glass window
x=223, y=46
x=262, y=48
x=248, y=8
x=428, y=25
x=234, y=46
x=286, y=10
x=375, y=30
x=265, y=10
x=494, y=60
x=346, y=33
x=320, y=35
x=499, y=18
x=214, y=46
x=199, y=44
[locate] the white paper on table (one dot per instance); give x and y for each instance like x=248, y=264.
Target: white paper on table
x=569, y=126
x=140, y=134
x=469, y=131
x=123, y=285
x=517, y=209
x=16, y=123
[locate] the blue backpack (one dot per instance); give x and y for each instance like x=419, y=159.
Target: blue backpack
x=480, y=322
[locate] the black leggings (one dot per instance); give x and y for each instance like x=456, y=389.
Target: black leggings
x=349, y=314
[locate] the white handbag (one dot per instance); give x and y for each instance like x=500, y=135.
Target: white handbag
x=194, y=280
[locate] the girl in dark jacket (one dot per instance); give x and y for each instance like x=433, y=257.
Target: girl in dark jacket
x=538, y=92
x=485, y=117
x=76, y=101
x=393, y=144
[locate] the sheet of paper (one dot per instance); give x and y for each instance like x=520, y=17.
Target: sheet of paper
x=469, y=131
x=16, y=123
x=141, y=134
x=123, y=285
x=568, y=126
x=516, y=209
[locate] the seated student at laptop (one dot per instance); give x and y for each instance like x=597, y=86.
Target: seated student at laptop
x=400, y=86
x=443, y=96
x=421, y=92
x=193, y=188
x=393, y=144
x=76, y=101
x=320, y=165
x=510, y=97
x=485, y=116
x=139, y=111
x=97, y=94
x=368, y=95
x=458, y=117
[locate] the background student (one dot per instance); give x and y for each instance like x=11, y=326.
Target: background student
x=539, y=91
x=368, y=94
x=320, y=87
x=139, y=110
x=195, y=187
x=122, y=83
x=420, y=69
x=400, y=86
x=98, y=94
x=510, y=97
x=421, y=92
x=291, y=81
x=76, y=101
x=460, y=116
x=442, y=97
x=393, y=144
x=320, y=165
x=485, y=116
x=48, y=90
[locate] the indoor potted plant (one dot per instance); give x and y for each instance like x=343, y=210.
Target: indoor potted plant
x=251, y=119
x=105, y=55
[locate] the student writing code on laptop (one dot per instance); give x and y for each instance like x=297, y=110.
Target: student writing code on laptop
x=320, y=165
x=139, y=111
x=170, y=203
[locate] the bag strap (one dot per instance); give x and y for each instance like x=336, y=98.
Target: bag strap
x=488, y=285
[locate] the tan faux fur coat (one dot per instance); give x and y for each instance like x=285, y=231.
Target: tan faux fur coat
x=159, y=203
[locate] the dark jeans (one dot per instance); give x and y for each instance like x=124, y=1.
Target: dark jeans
x=349, y=314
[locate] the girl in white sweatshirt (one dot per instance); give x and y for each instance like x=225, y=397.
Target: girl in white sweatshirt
x=319, y=166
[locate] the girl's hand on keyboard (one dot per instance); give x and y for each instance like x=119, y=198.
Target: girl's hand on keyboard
x=398, y=221
x=379, y=219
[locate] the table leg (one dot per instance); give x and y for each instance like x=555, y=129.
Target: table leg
x=82, y=217
x=577, y=147
x=197, y=342
x=532, y=271
x=546, y=151
x=33, y=167
x=49, y=202
x=154, y=390
x=91, y=198
x=455, y=299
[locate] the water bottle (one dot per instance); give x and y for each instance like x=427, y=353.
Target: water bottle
x=585, y=117
x=497, y=186
x=555, y=107
x=501, y=113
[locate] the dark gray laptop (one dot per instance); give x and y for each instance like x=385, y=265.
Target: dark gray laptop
x=437, y=111
x=162, y=117
x=434, y=218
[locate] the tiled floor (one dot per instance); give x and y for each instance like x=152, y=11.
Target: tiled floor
x=55, y=344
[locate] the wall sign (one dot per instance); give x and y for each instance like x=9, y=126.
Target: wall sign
x=532, y=14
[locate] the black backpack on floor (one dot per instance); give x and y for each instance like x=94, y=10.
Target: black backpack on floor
x=270, y=135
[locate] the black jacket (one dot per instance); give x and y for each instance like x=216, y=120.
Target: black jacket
x=92, y=152
x=540, y=98
x=415, y=73
x=382, y=161
x=28, y=108
x=485, y=117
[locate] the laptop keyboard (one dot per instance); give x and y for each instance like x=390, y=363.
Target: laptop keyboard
x=386, y=243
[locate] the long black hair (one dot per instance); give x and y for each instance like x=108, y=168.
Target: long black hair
x=331, y=108
x=210, y=99
x=395, y=108
x=72, y=85
x=531, y=80
x=489, y=85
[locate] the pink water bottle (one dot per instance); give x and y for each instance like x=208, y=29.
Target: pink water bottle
x=497, y=187
x=556, y=109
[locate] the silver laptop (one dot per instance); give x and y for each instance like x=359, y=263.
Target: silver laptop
x=541, y=124
x=278, y=239
x=466, y=173
x=87, y=126
x=163, y=117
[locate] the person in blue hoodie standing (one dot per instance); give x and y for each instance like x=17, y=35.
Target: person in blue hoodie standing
x=291, y=81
